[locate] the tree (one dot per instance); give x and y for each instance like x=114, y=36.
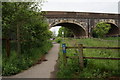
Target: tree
x=101, y=29
x=67, y=32
x=22, y=21
x=27, y=27
x=53, y=34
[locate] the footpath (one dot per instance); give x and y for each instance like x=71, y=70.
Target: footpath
x=44, y=70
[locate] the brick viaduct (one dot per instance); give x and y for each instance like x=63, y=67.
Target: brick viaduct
x=82, y=23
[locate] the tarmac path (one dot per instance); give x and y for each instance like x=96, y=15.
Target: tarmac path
x=44, y=69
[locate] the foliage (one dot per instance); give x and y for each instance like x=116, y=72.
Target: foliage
x=53, y=34
x=33, y=31
x=15, y=63
x=23, y=23
x=32, y=24
x=101, y=29
x=95, y=68
x=58, y=40
x=67, y=32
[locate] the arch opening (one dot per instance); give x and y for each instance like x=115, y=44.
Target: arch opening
x=77, y=30
x=114, y=30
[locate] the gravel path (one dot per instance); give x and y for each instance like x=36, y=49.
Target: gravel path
x=44, y=69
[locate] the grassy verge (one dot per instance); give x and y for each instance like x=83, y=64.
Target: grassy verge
x=93, y=68
x=112, y=38
x=17, y=63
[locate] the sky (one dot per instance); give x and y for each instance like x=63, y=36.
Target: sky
x=102, y=6
x=55, y=29
x=97, y=6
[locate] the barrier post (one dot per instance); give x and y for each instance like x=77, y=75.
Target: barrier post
x=8, y=47
x=64, y=53
x=80, y=50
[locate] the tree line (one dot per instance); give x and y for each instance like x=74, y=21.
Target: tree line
x=23, y=22
x=25, y=26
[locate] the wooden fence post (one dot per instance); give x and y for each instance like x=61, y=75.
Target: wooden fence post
x=18, y=40
x=80, y=50
x=65, y=59
x=8, y=47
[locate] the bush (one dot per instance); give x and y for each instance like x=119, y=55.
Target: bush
x=30, y=23
x=16, y=63
x=58, y=40
x=101, y=29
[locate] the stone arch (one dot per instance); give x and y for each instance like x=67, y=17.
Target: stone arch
x=114, y=31
x=66, y=21
x=78, y=30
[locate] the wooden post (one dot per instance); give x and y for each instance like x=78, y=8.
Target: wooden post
x=18, y=40
x=65, y=59
x=80, y=50
x=8, y=47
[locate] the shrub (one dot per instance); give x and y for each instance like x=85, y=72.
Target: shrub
x=16, y=63
x=59, y=40
x=101, y=29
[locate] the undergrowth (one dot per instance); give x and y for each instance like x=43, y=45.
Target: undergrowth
x=94, y=68
x=19, y=62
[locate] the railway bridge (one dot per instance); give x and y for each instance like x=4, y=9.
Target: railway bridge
x=82, y=23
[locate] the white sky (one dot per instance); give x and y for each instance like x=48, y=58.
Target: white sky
x=102, y=6
x=55, y=29
x=97, y=6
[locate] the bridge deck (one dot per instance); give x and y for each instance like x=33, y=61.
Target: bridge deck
x=61, y=14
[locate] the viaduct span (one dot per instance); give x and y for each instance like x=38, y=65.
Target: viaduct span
x=82, y=23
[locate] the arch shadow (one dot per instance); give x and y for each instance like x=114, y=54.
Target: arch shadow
x=78, y=30
x=114, y=30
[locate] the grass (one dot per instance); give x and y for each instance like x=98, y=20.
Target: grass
x=19, y=62
x=0, y=64
x=58, y=40
x=111, y=38
x=94, y=68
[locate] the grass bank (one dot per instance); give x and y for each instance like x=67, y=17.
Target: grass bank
x=93, y=68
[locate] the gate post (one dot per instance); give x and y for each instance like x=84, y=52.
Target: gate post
x=80, y=50
x=8, y=47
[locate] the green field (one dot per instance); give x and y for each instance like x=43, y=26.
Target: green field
x=94, y=68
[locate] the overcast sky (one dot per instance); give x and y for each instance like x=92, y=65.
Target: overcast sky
x=97, y=6
x=102, y=6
